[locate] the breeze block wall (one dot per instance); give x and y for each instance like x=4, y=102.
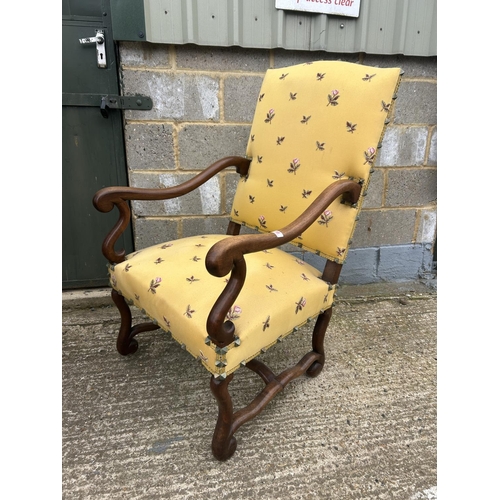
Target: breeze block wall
x=203, y=104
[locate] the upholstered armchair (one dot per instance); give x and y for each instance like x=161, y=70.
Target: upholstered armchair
x=226, y=298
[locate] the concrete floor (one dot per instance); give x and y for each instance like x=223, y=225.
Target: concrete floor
x=140, y=427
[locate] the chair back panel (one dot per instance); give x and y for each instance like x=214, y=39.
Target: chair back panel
x=314, y=124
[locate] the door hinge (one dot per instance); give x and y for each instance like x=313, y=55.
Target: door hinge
x=105, y=102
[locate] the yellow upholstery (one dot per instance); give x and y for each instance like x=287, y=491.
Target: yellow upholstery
x=170, y=284
x=314, y=123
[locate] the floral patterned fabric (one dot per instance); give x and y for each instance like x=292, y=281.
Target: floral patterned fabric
x=170, y=283
x=314, y=124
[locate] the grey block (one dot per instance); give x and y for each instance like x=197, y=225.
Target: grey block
x=149, y=146
x=148, y=232
x=283, y=57
x=221, y=58
x=231, y=181
x=360, y=267
x=240, y=97
x=432, y=160
x=413, y=66
x=142, y=54
x=375, y=190
x=411, y=187
x=416, y=103
x=400, y=263
x=388, y=227
x=204, y=225
x=201, y=145
x=403, y=146
x=427, y=227
x=205, y=200
x=176, y=96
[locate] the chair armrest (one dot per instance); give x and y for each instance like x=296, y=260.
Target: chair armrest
x=228, y=255
x=108, y=198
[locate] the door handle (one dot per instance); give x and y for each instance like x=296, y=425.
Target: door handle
x=98, y=39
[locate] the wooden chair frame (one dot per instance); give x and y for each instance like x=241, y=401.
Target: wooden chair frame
x=228, y=256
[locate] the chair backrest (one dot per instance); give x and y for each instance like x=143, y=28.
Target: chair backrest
x=314, y=123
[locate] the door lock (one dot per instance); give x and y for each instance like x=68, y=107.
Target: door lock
x=98, y=39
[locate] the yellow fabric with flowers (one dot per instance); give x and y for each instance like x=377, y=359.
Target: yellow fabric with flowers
x=314, y=124
x=169, y=283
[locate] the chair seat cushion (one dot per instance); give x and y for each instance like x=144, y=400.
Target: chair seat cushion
x=169, y=283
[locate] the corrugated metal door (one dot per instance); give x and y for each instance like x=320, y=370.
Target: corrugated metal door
x=92, y=146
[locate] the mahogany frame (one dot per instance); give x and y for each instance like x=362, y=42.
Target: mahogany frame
x=227, y=256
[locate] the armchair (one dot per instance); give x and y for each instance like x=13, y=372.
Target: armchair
x=226, y=298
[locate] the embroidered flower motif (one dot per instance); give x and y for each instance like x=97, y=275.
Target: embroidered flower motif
x=333, y=97
x=271, y=288
x=283, y=208
x=261, y=97
x=127, y=268
x=202, y=356
x=320, y=76
x=385, y=106
x=294, y=165
x=234, y=313
x=192, y=279
x=269, y=266
x=306, y=193
x=300, y=304
x=251, y=198
x=259, y=159
x=136, y=296
x=338, y=175
x=283, y=76
x=293, y=96
x=167, y=322
x=325, y=218
x=300, y=262
x=320, y=146
x=159, y=260
x=304, y=277
x=270, y=116
x=305, y=119
x=252, y=137
x=368, y=78
x=266, y=323
x=351, y=127
x=155, y=283
x=196, y=258
x=262, y=221
x=340, y=251
x=279, y=140
x=369, y=156
x=236, y=212
x=166, y=245
x=270, y=183
x=189, y=312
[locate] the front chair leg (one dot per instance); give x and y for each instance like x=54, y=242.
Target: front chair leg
x=318, y=339
x=125, y=343
x=223, y=442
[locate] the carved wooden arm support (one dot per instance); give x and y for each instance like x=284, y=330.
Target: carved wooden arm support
x=107, y=198
x=228, y=255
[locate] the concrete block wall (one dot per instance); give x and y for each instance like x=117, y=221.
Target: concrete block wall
x=203, y=104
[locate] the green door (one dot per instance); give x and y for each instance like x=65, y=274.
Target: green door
x=93, y=148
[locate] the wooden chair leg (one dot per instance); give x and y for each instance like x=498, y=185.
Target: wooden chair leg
x=126, y=343
x=318, y=338
x=223, y=441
